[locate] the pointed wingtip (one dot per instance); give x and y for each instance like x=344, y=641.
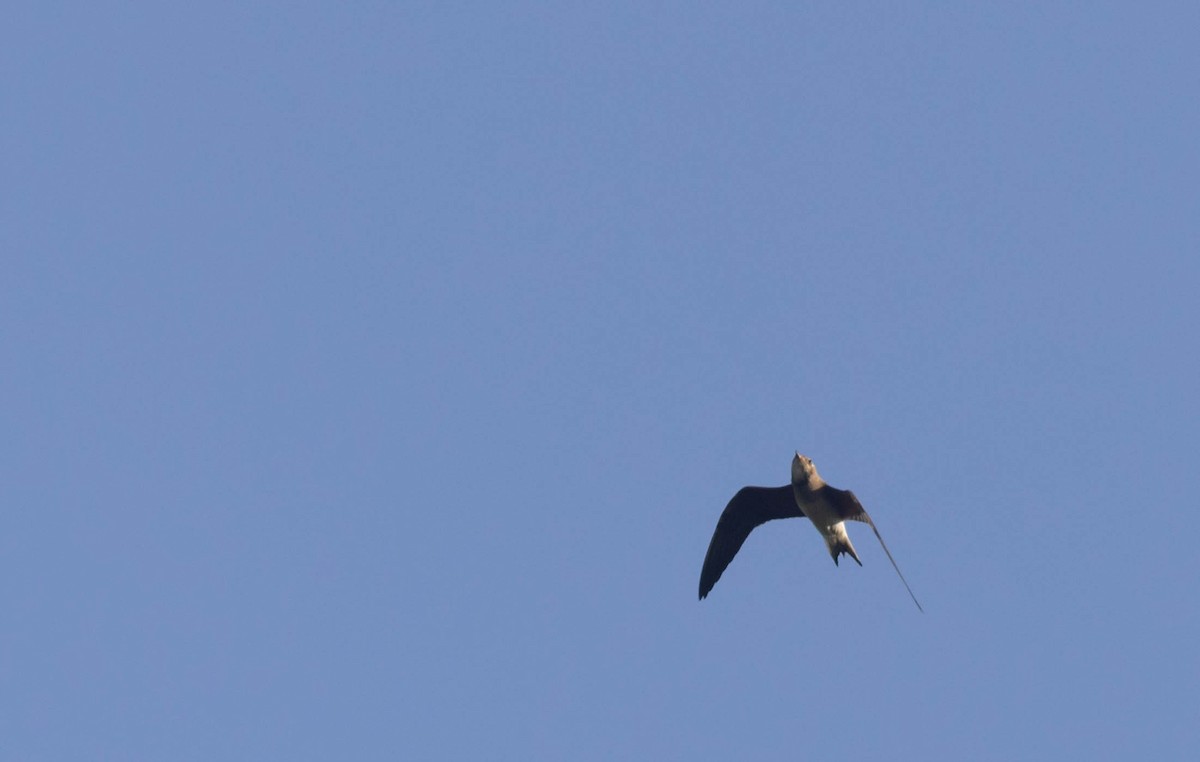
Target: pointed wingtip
x=896, y=566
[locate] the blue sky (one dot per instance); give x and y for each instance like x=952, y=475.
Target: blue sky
x=374, y=376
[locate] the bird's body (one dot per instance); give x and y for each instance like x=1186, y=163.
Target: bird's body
x=824, y=507
x=828, y=508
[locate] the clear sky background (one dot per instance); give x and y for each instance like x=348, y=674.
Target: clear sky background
x=374, y=375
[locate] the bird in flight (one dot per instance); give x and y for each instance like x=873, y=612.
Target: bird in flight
x=808, y=495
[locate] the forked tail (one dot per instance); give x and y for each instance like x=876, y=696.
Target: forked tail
x=838, y=543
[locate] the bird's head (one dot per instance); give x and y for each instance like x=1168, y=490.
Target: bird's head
x=803, y=470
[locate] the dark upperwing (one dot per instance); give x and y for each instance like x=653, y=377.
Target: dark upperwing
x=850, y=509
x=750, y=507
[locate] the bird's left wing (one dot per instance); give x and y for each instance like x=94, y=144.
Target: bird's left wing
x=852, y=510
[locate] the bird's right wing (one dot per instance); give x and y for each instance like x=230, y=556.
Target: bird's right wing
x=750, y=507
